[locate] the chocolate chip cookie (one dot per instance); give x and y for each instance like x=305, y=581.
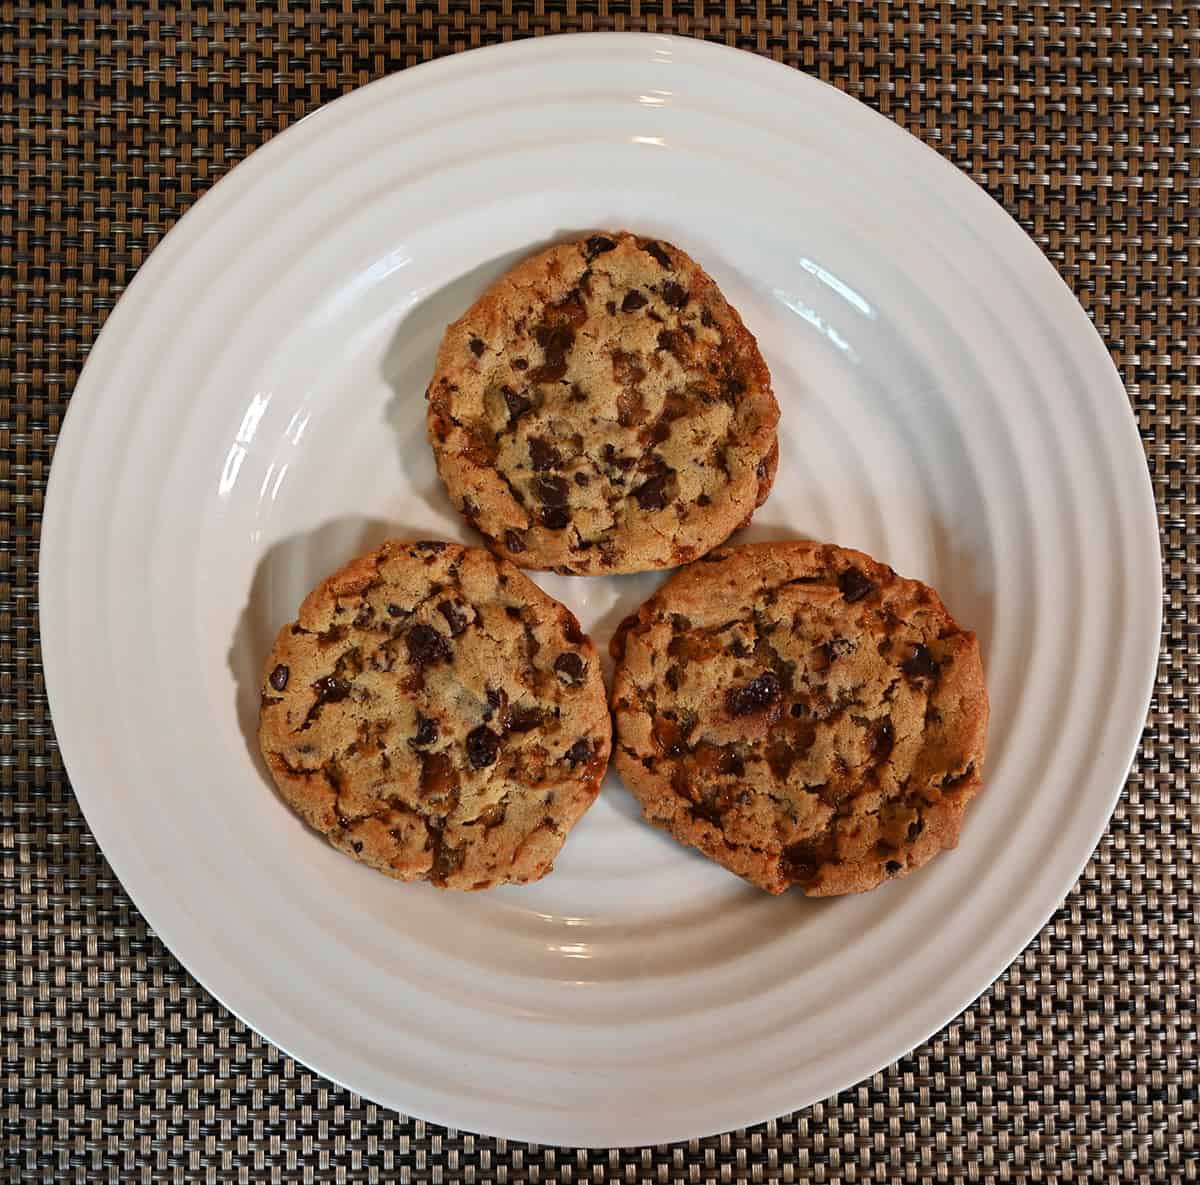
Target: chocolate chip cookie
x=802, y=715
x=603, y=409
x=437, y=716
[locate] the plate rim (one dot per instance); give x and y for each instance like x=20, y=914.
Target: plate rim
x=70, y=441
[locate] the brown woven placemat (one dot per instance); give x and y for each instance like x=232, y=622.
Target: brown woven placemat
x=1078, y=1064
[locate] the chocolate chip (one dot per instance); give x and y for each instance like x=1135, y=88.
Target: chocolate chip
x=710, y=810
x=854, y=585
x=569, y=667
x=497, y=698
x=633, y=301
x=477, y=347
x=920, y=664
x=731, y=388
x=555, y=518
x=514, y=542
x=668, y=340
x=798, y=710
x=802, y=861
x=357, y=845
x=493, y=815
x=627, y=368
x=446, y=860
x=349, y=664
x=676, y=295
x=652, y=494
x=279, y=677
x=395, y=611
x=456, y=619
x=556, y=340
x=677, y=404
x=581, y=479
x=671, y=678
x=612, y=457
x=553, y=369
x=433, y=545
x=658, y=254
x=439, y=778
x=427, y=731
x=730, y=763
x=542, y=454
x=631, y=408
x=579, y=752
x=426, y=646
x=330, y=689
x=893, y=867
x=552, y=491
x=706, y=319
x=598, y=245
x=523, y=718
x=758, y=694
x=483, y=746
x=572, y=629
x=517, y=405
x=914, y=829
x=798, y=863
x=780, y=757
x=882, y=739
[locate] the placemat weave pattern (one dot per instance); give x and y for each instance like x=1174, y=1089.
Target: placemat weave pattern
x=1080, y=1063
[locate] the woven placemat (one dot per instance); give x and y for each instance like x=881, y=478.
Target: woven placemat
x=1078, y=1064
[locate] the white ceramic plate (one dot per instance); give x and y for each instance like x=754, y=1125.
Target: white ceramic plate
x=253, y=415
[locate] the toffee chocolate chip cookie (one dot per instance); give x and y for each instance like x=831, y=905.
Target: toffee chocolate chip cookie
x=603, y=409
x=437, y=716
x=802, y=715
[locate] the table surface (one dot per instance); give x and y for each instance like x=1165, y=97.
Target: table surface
x=1078, y=1063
